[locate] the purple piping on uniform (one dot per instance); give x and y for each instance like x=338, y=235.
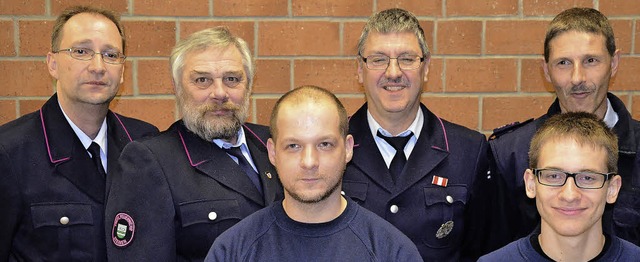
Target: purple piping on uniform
x=187, y=151
x=446, y=141
x=254, y=134
x=46, y=140
x=123, y=127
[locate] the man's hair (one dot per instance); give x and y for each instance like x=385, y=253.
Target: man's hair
x=586, y=20
x=393, y=20
x=200, y=41
x=584, y=128
x=310, y=94
x=56, y=35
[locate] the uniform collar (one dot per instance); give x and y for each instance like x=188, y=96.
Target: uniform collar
x=101, y=137
x=240, y=142
x=415, y=127
x=610, y=117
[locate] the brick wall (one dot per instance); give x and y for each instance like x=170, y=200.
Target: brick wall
x=485, y=69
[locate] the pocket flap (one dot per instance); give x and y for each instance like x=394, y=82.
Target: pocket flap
x=207, y=211
x=61, y=214
x=355, y=190
x=438, y=194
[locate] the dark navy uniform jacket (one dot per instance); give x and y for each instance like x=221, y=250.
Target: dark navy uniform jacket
x=414, y=204
x=51, y=196
x=510, y=147
x=181, y=192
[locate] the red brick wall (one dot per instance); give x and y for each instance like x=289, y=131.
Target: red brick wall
x=485, y=70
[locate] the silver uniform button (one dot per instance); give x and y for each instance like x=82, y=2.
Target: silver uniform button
x=212, y=215
x=449, y=199
x=64, y=220
x=488, y=174
x=393, y=209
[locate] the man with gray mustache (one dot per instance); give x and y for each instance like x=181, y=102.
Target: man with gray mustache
x=424, y=184
x=580, y=58
x=175, y=193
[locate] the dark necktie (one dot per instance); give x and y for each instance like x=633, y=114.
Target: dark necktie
x=399, y=160
x=94, y=149
x=246, y=167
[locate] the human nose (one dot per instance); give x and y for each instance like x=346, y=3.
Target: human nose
x=393, y=69
x=570, y=191
x=96, y=63
x=309, y=158
x=219, y=91
x=577, y=75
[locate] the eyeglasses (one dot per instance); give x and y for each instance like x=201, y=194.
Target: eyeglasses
x=85, y=54
x=585, y=179
x=381, y=62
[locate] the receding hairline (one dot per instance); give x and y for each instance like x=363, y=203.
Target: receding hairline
x=314, y=95
x=108, y=21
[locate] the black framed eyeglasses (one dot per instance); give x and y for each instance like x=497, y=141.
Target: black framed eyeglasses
x=85, y=54
x=381, y=62
x=584, y=179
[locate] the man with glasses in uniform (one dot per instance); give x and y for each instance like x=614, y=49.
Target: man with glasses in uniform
x=572, y=177
x=55, y=163
x=409, y=166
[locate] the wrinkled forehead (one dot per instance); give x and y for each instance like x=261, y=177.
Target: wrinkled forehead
x=226, y=58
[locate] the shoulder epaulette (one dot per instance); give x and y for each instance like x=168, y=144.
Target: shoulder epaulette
x=508, y=128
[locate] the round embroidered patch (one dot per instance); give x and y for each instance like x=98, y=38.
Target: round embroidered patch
x=123, y=229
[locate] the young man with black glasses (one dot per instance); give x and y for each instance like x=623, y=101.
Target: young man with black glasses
x=572, y=177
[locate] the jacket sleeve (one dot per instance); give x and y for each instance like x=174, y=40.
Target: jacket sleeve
x=140, y=193
x=489, y=212
x=479, y=208
x=9, y=204
x=219, y=252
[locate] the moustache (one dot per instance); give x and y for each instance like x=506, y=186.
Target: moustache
x=580, y=89
x=395, y=81
x=228, y=106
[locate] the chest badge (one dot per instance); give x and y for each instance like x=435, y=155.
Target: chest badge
x=444, y=229
x=123, y=230
x=440, y=181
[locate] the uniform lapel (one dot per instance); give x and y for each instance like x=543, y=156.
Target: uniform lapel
x=117, y=138
x=267, y=173
x=211, y=160
x=66, y=152
x=430, y=149
x=366, y=155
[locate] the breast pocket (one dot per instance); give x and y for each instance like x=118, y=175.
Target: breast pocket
x=355, y=190
x=62, y=227
x=203, y=221
x=444, y=215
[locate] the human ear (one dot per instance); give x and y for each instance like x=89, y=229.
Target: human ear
x=349, y=148
x=530, y=183
x=545, y=68
x=615, y=60
x=361, y=66
x=427, y=63
x=613, y=188
x=52, y=65
x=271, y=149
